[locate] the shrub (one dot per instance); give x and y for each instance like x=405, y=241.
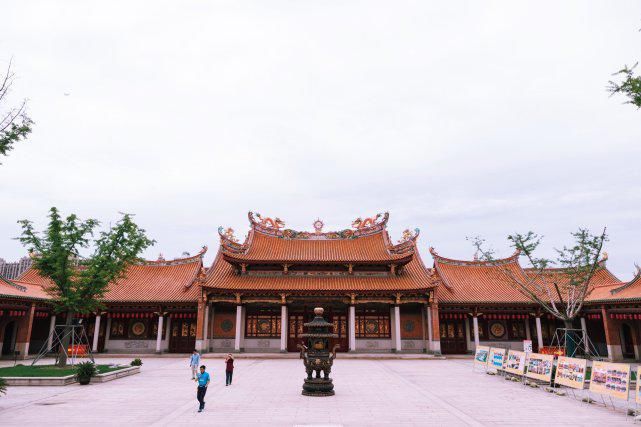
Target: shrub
x=136, y=362
x=84, y=372
x=3, y=386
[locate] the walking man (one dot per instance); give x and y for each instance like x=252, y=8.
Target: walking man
x=229, y=370
x=194, y=361
x=203, y=382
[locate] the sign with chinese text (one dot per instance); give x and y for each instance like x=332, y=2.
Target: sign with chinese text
x=612, y=379
x=570, y=372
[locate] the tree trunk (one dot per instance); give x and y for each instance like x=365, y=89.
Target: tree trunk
x=64, y=343
x=570, y=339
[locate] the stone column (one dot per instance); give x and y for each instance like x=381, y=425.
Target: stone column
x=23, y=335
x=167, y=332
x=584, y=331
x=161, y=319
x=475, y=321
x=469, y=339
x=206, y=329
x=539, y=332
x=612, y=337
x=239, y=324
x=397, y=328
x=107, y=334
x=436, y=343
x=212, y=312
x=52, y=328
x=424, y=328
x=352, y=328
x=200, y=325
x=283, y=328
x=430, y=333
x=528, y=333
x=96, y=334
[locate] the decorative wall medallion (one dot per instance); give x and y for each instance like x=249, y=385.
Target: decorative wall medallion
x=226, y=325
x=138, y=329
x=409, y=326
x=371, y=326
x=263, y=325
x=497, y=330
x=318, y=226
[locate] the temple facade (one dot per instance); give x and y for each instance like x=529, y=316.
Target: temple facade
x=378, y=294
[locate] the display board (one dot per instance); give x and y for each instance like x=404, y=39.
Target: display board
x=570, y=372
x=539, y=366
x=515, y=363
x=527, y=346
x=612, y=379
x=496, y=359
x=637, y=394
x=480, y=357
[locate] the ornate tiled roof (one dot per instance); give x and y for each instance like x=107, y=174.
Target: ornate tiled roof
x=148, y=281
x=486, y=281
x=414, y=276
x=367, y=243
x=618, y=291
x=477, y=281
x=22, y=290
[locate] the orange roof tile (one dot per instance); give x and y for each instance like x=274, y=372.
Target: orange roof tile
x=22, y=290
x=477, y=281
x=414, y=277
x=151, y=281
x=618, y=291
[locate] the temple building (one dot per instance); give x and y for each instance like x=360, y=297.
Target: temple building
x=377, y=292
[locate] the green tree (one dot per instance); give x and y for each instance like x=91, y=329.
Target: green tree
x=563, y=290
x=630, y=85
x=79, y=282
x=15, y=124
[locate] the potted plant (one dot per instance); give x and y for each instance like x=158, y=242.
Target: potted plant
x=136, y=362
x=84, y=372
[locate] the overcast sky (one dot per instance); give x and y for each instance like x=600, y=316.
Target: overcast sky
x=460, y=118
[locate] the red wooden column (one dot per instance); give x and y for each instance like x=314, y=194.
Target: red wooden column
x=612, y=339
x=25, y=324
x=200, y=325
x=436, y=334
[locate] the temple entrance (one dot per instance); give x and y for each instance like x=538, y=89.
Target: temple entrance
x=336, y=316
x=627, y=345
x=183, y=336
x=9, y=340
x=453, y=339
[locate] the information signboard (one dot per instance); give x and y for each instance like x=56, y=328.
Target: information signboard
x=570, y=372
x=480, y=357
x=612, y=379
x=496, y=359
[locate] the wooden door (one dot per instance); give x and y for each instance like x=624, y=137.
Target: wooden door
x=453, y=338
x=183, y=336
x=340, y=328
x=295, y=327
x=627, y=345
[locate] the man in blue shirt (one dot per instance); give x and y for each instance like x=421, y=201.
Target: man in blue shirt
x=194, y=361
x=203, y=382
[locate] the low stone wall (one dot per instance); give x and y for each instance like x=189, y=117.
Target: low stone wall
x=70, y=379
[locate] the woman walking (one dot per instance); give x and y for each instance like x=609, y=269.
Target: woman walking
x=229, y=370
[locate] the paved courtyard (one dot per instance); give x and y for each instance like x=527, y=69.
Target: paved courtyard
x=266, y=392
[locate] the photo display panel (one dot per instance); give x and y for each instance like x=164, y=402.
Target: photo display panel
x=539, y=366
x=612, y=379
x=481, y=355
x=515, y=363
x=570, y=372
x=496, y=358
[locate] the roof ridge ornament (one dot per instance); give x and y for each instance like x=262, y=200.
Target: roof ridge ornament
x=370, y=222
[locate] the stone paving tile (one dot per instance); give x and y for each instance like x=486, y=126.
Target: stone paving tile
x=266, y=392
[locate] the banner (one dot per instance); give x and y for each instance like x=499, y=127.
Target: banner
x=515, y=363
x=527, y=346
x=496, y=358
x=637, y=395
x=570, y=372
x=480, y=358
x=539, y=366
x=612, y=379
